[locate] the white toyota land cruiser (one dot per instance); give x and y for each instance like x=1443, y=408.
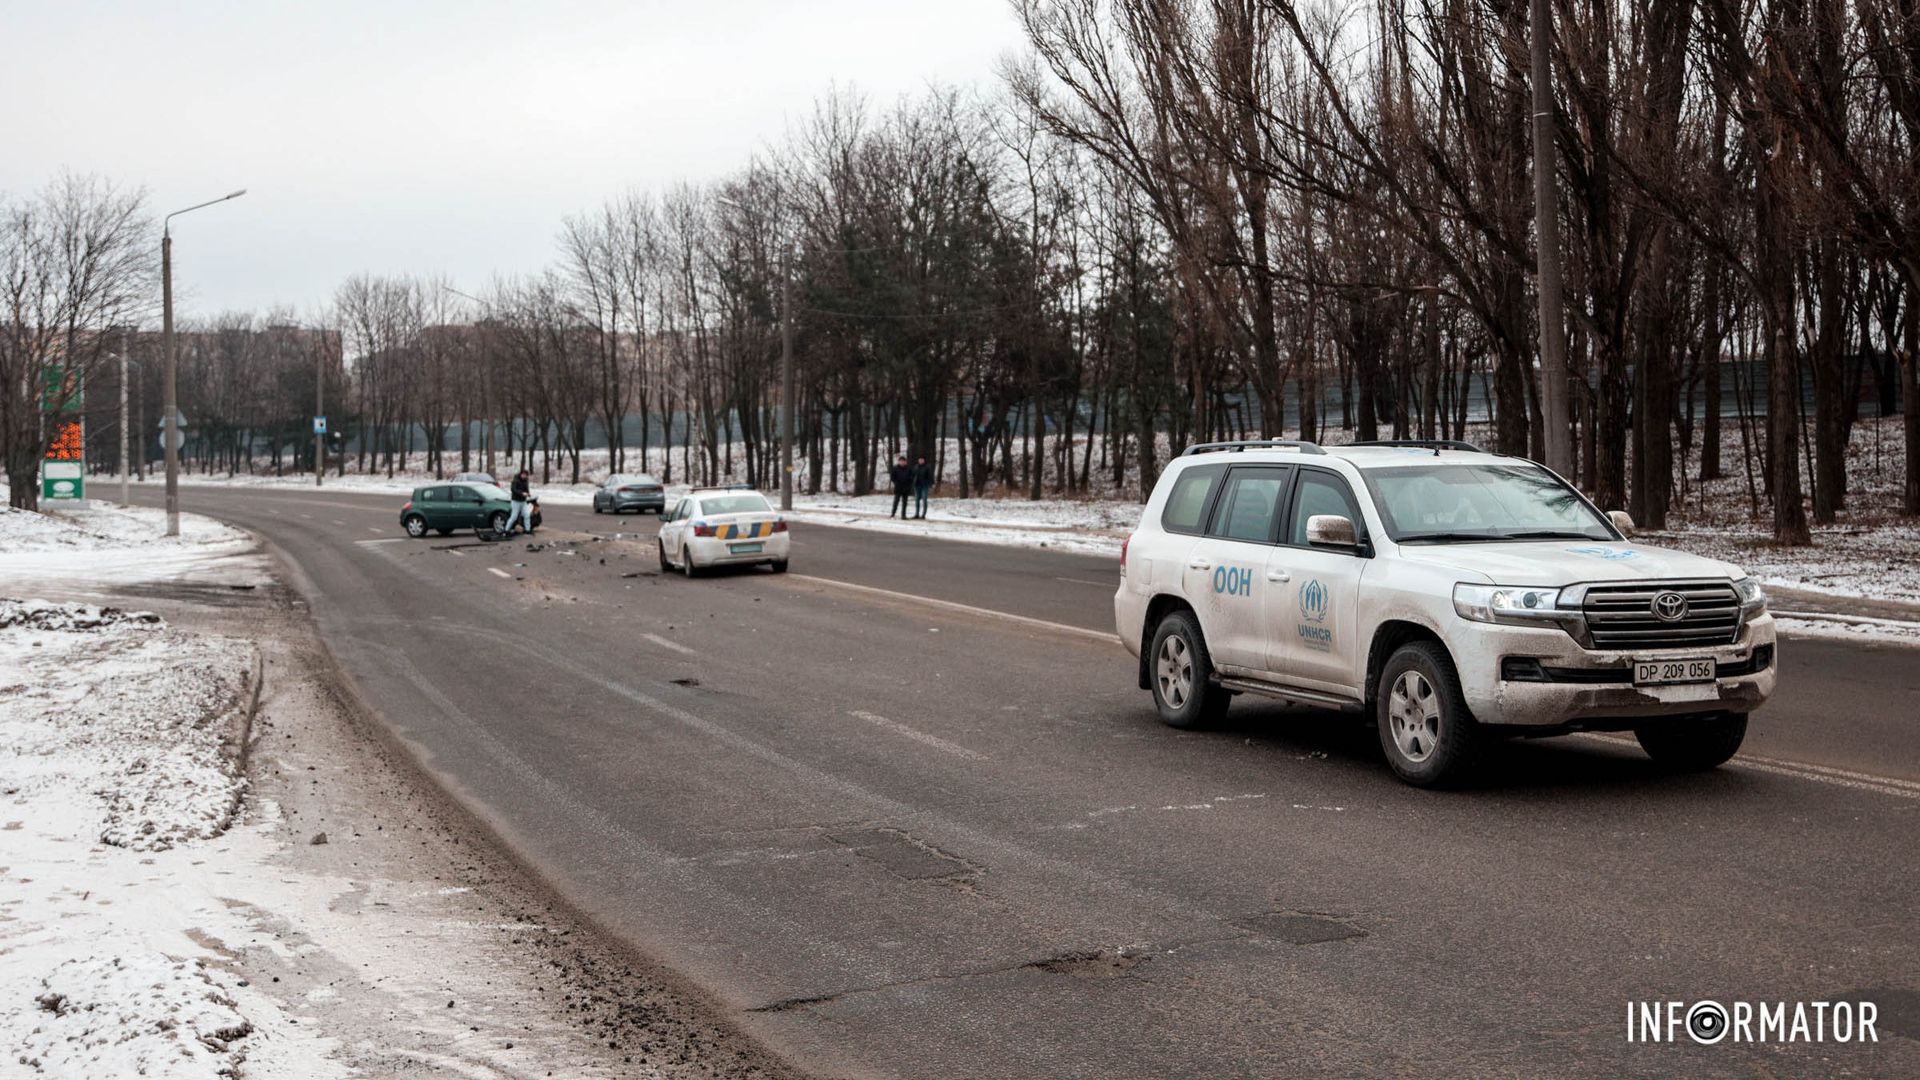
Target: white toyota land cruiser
x=1453, y=595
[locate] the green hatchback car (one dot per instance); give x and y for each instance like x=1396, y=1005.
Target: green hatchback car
x=446, y=507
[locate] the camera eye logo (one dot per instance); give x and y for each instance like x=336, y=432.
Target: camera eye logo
x=1707, y=1022
x=1313, y=601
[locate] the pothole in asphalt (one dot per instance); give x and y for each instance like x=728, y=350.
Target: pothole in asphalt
x=1090, y=965
x=1301, y=927
x=904, y=855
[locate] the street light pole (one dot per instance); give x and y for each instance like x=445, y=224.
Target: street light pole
x=786, y=376
x=172, y=421
x=1557, y=439
x=319, y=409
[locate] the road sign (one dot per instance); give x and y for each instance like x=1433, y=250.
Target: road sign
x=319, y=425
x=61, y=391
x=62, y=480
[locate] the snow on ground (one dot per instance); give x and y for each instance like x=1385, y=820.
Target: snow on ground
x=114, y=773
x=1850, y=628
x=1870, y=552
x=102, y=544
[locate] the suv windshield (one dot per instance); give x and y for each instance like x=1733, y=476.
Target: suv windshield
x=1468, y=502
x=735, y=504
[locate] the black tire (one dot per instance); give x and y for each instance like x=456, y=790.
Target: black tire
x=686, y=562
x=1428, y=735
x=664, y=564
x=1181, y=674
x=596, y=507
x=779, y=566
x=497, y=523
x=415, y=525
x=1693, y=743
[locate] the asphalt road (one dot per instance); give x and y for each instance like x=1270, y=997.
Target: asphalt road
x=899, y=839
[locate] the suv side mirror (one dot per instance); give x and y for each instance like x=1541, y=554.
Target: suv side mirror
x=1331, y=530
x=1622, y=521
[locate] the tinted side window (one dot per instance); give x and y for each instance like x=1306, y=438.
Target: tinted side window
x=1186, y=510
x=1247, y=508
x=1320, y=493
x=428, y=495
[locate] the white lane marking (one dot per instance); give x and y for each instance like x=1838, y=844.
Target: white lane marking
x=456, y=551
x=1063, y=628
x=388, y=540
x=916, y=735
x=340, y=523
x=1084, y=581
x=371, y=529
x=500, y=572
x=665, y=644
x=1820, y=774
x=309, y=517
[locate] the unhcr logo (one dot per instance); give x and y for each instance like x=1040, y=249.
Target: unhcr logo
x=1313, y=601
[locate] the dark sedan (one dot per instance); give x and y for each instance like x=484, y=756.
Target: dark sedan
x=629, y=491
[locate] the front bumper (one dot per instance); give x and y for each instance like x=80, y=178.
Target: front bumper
x=1573, y=696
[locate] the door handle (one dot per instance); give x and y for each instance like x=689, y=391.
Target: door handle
x=1199, y=564
x=1279, y=576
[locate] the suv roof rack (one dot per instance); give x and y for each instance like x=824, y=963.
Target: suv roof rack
x=1301, y=445
x=1436, y=445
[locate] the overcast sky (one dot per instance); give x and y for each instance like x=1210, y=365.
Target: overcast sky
x=431, y=136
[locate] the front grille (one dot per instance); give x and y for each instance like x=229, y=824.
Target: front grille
x=1621, y=616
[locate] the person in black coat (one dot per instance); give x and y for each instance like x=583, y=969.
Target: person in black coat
x=522, y=512
x=922, y=486
x=902, y=477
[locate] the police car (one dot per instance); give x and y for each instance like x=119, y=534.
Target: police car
x=726, y=526
x=1449, y=594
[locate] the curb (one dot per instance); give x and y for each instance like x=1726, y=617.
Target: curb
x=1858, y=620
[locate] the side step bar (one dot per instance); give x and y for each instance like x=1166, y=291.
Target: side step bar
x=1288, y=693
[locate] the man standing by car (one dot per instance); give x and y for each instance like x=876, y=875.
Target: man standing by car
x=902, y=476
x=922, y=486
x=521, y=510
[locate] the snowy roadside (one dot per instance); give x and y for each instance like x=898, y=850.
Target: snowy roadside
x=104, y=545
x=177, y=906
x=115, y=732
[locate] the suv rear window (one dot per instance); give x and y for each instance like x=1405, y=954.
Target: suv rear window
x=1186, y=509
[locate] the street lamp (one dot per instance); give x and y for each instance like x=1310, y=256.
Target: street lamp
x=786, y=365
x=171, y=435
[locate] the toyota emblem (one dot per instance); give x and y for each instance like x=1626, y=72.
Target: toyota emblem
x=1670, y=607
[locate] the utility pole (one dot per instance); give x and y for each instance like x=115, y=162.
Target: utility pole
x=126, y=492
x=786, y=376
x=172, y=420
x=1558, y=436
x=319, y=409
x=170, y=424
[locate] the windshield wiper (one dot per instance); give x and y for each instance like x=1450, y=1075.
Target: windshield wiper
x=1448, y=538
x=1552, y=534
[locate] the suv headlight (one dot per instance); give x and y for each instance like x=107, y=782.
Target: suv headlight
x=1753, y=598
x=1507, y=604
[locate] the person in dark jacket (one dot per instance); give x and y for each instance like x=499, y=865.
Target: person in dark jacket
x=902, y=477
x=522, y=512
x=922, y=486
